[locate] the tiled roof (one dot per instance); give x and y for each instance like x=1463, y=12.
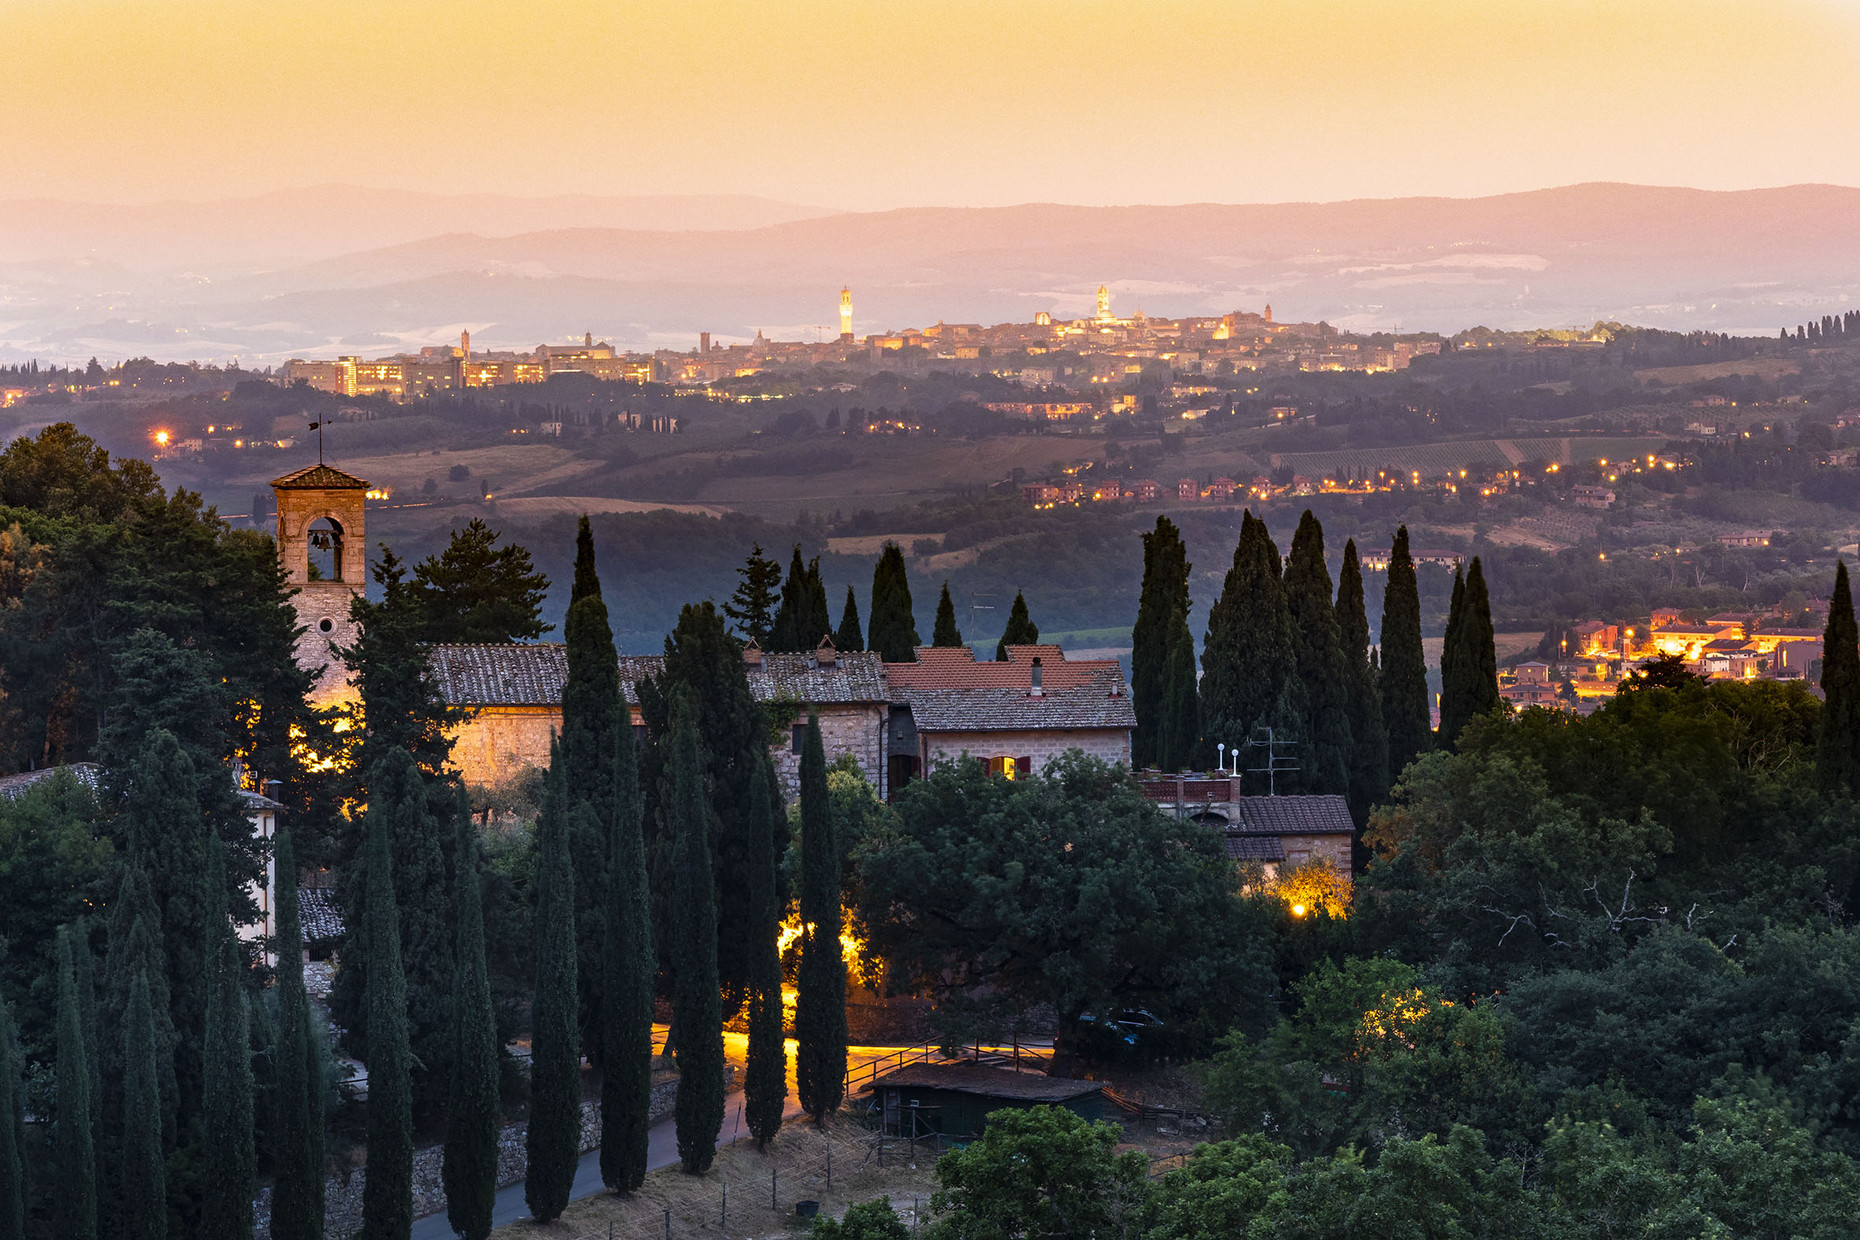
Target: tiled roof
x=319, y=477
x=1305, y=815
x=986, y=1082
x=320, y=914
x=955, y=667
x=1015, y=710
x=532, y=674
x=1255, y=848
x=14, y=786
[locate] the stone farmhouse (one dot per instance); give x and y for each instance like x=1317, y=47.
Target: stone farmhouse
x=893, y=719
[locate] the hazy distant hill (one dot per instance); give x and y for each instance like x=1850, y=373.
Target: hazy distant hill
x=298, y=225
x=1736, y=261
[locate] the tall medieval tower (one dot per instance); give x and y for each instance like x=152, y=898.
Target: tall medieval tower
x=846, y=331
x=323, y=550
x=1104, y=303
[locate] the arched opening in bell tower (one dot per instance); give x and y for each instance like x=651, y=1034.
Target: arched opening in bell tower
x=325, y=550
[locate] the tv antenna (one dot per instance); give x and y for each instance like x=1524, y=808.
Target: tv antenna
x=1274, y=763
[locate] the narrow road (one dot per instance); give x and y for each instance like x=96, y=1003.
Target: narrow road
x=662, y=1151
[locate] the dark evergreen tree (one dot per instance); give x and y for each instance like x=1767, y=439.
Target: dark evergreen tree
x=587, y=582
x=802, y=619
x=752, y=607
x=169, y=835
x=1450, y=675
x=1020, y=630
x=74, y=1160
x=477, y=591
x=1837, y=744
x=1165, y=591
x=1406, y=716
x=627, y=963
x=473, y=1116
x=696, y=997
x=893, y=631
x=765, y=1080
x=12, y=1169
x=387, y=1193
x=144, y=1186
x=849, y=636
x=424, y=920
x=1324, y=759
x=594, y=712
x=945, y=633
x=820, y=1006
x=702, y=656
x=1181, y=728
x=297, y=1105
x=227, y=1122
x=1247, y=669
x=1469, y=686
x=554, y=1138
x=401, y=700
x=84, y=968
x=136, y=949
x=1369, y=743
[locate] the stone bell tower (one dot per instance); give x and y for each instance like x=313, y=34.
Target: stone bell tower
x=323, y=551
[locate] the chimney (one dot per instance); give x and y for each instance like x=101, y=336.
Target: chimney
x=1037, y=690
x=824, y=654
x=752, y=654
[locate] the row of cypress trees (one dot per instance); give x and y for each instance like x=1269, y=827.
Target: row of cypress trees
x=1285, y=651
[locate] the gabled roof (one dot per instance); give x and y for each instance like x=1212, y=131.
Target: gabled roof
x=320, y=914
x=319, y=477
x=532, y=674
x=1303, y=815
x=1255, y=848
x=12, y=787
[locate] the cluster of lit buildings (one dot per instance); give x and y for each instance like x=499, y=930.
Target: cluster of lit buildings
x=1727, y=646
x=1101, y=349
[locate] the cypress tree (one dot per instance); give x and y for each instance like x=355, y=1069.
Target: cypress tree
x=554, y=1138
x=402, y=800
x=893, y=631
x=1020, y=630
x=802, y=619
x=12, y=1171
x=1247, y=669
x=145, y=1183
x=587, y=582
x=387, y=1192
x=469, y=1169
x=1369, y=743
x=1165, y=592
x=1181, y=731
x=1318, y=655
x=227, y=1116
x=169, y=834
x=1472, y=690
x=135, y=949
x=84, y=968
x=945, y=633
x=849, y=636
x=594, y=711
x=297, y=1105
x=1837, y=743
x=820, y=1007
x=696, y=997
x=74, y=1159
x=1405, y=714
x=1450, y=674
x=627, y=961
x=752, y=607
x=765, y=1082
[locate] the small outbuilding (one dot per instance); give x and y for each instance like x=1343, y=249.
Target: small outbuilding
x=953, y=1101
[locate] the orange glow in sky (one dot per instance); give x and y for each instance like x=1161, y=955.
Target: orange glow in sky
x=876, y=103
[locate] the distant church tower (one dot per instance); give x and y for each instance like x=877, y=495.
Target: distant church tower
x=320, y=522
x=1104, y=303
x=846, y=332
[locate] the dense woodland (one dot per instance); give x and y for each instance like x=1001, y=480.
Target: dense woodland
x=1597, y=975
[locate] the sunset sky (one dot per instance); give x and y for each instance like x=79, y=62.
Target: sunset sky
x=877, y=104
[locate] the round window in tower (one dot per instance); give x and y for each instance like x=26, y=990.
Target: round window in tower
x=326, y=624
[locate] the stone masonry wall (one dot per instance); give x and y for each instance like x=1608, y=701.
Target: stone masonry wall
x=855, y=730
x=1110, y=744
x=342, y=1194
x=494, y=745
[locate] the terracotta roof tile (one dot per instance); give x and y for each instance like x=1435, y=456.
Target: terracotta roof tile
x=955, y=667
x=319, y=477
x=1302, y=815
x=532, y=674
